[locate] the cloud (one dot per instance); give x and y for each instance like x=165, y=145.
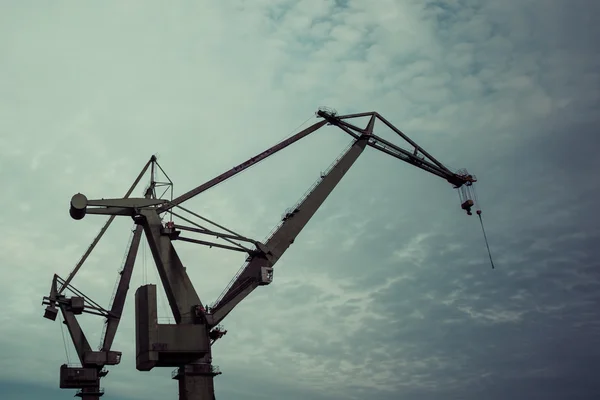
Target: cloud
x=388, y=291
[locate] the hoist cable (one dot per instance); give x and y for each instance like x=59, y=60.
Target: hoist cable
x=62, y=331
x=144, y=264
x=486, y=240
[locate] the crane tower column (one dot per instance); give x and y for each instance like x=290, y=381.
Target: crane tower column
x=196, y=380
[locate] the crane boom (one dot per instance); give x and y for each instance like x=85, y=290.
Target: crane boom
x=251, y=276
x=418, y=157
x=284, y=236
x=387, y=147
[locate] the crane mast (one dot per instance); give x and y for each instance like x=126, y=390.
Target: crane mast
x=186, y=344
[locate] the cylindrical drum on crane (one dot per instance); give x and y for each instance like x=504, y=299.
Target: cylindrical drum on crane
x=78, y=206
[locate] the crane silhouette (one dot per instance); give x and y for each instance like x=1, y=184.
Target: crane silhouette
x=186, y=344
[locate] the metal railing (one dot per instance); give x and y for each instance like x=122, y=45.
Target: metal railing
x=81, y=393
x=73, y=365
x=103, y=334
x=230, y=284
x=241, y=286
x=291, y=209
x=177, y=372
x=310, y=190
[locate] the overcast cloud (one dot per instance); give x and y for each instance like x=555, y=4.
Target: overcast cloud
x=388, y=292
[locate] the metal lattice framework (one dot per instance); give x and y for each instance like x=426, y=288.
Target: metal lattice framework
x=186, y=344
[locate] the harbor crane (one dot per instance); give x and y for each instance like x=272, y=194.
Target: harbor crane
x=186, y=344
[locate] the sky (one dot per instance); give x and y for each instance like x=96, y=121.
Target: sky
x=388, y=292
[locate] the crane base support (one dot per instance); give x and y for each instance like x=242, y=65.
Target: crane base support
x=77, y=377
x=90, y=393
x=164, y=345
x=196, y=381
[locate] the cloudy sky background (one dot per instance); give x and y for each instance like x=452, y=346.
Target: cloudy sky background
x=388, y=292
